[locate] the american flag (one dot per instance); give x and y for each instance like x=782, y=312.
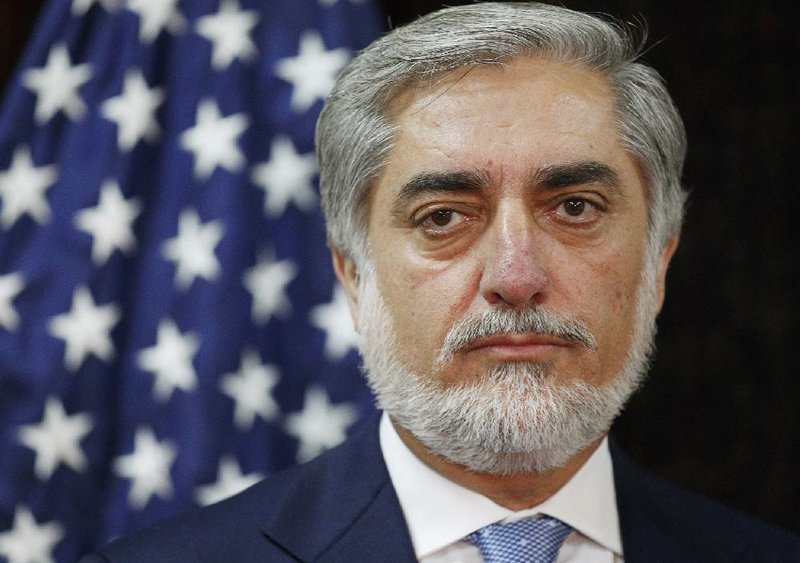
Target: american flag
x=170, y=327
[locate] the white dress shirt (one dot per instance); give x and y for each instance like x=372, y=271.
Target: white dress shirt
x=439, y=513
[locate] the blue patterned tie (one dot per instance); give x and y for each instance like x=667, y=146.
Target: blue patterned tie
x=535, y=540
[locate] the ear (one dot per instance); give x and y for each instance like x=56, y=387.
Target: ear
x=347, y=274
x=666, y=256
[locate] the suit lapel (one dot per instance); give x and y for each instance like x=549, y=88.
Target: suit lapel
x=343, y=507
x=661, y=523
x=643, y=536
x=379, y=534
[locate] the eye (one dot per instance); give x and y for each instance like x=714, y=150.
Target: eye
x=574, y=207
x=441, y=218
x=577, y=210
x=441, y=222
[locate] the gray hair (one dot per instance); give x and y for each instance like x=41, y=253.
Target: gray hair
x=355, y=133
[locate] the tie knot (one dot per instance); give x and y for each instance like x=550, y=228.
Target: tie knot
x=535, y=540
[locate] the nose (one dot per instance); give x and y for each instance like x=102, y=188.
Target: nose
x=514, y=273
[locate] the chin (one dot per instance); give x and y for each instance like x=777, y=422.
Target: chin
x=517, y=419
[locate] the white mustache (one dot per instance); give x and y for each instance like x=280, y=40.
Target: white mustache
x=508, y=321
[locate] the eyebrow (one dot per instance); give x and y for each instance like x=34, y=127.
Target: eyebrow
x=575, y=174
x=429, y=183
x=551, y=177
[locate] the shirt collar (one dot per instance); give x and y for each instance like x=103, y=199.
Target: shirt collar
x=439, y=512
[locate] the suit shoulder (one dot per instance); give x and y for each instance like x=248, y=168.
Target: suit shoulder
x=654, y=512
x=211, y=533
x=235, y=528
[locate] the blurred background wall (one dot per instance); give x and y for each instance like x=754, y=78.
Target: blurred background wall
x=719, y=414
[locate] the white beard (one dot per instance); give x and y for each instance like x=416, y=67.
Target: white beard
x=520, y=417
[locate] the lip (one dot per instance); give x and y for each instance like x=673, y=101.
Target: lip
x=517, y=346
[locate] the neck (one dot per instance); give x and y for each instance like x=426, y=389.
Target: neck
x=515, y=492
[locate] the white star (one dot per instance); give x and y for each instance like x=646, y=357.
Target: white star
x=192, y=249
x=156, y=15
x=10, y=286
x=320, y=425
x=266, y=282
x=86, y=329
x=170, y=360
x=229, y=31
x=29, y=542
x=335, y=319
x=147, y=467
x=110, y=223
x=230, y=481
x=56, y=439
x=56, y=85
x=80, y=7
x=287, y=176
x=251, y=390
x=23, y=187
x=312, y=72
x=134, y=111
x=213, y=140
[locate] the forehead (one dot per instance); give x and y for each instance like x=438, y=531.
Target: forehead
x=520, y=74
x=527, y=113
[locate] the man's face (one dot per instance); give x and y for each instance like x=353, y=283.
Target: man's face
x=508, y=189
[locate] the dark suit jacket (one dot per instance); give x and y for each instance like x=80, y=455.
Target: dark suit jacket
x=342, y=507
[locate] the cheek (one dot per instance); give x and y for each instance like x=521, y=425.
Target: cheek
x=425, y=300
x=602, y=290
x=621, y=302
x=423, y=282
x=620, y=284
